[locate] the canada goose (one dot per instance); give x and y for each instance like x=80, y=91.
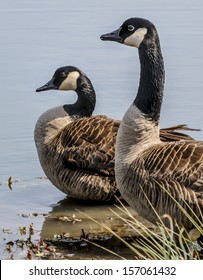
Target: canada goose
x=143, y=162
x=76, y=149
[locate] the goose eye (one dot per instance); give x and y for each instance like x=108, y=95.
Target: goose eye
x=131, y=27
x=63, y=74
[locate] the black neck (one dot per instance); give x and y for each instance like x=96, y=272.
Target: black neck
x=85, y=104
x=151, y=86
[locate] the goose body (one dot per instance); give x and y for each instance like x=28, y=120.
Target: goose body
x=76, y=149
x=149, y=172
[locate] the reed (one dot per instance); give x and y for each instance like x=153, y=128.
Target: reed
x=162, y=243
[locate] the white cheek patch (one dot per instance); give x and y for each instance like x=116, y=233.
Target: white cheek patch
x=70, y=83
x=136, y=38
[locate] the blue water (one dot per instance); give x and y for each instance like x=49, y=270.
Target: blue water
x=39, y=36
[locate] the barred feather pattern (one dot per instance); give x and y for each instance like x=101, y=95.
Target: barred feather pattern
x=165, y=172
x=78, y=154
x=76, y=150
x=79, y=160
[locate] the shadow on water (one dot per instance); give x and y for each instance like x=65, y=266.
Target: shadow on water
x=45, y=228
x=69, y=216
x=68, y=224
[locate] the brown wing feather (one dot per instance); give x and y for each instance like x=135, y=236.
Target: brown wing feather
x=179, y=161
x=89, y=145
x=172, y=134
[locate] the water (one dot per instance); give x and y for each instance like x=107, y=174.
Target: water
x=39, y=36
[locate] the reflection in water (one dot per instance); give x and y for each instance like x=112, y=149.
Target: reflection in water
x=67, y=225
x=69, y=217
x=65, y=218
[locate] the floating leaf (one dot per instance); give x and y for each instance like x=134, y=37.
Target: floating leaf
x=22, y=230
x=8, y=231
x=10, y=182
x=24, y=215
x=10, y=243
x=8, y=248
x=64, y=219
x=67, y=219
x=31, y=230
x=39, y=255
x=29, y=256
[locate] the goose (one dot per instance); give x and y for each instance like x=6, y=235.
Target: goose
x=75, y=149
x=151, y=173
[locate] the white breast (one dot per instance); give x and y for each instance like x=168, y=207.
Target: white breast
x=49, y=124
x=135, y=134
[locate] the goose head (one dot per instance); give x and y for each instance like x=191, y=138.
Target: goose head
x=72, y=78
x=142, y=34
x=64, y=78
x=133, y=32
